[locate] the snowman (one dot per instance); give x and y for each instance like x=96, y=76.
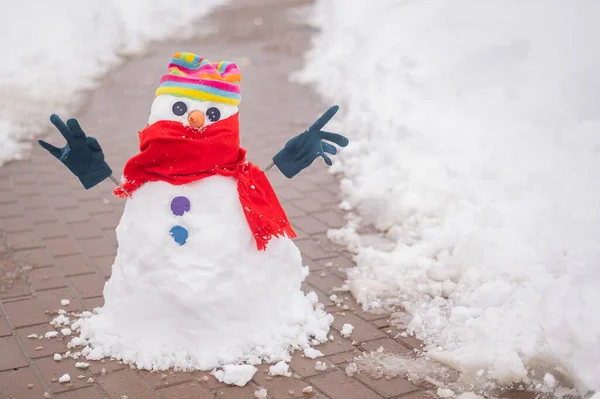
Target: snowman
x=206, y=272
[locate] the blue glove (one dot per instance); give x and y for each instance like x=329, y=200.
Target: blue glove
x=82, y=155
x=301, y=151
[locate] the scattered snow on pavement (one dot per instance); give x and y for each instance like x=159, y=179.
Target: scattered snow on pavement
x=66, y=48
x=472, y=174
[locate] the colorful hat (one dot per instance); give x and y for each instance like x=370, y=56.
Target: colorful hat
x=194, y=77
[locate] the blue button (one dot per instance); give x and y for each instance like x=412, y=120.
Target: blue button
x=180, y=234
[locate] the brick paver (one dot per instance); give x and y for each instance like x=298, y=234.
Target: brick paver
x=58, y=240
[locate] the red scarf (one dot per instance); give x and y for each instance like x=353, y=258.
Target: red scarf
x=179, y=155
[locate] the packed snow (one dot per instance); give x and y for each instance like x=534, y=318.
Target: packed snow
x=64, y=379
x=214, y=301
x=64, y=48
x=472, y=174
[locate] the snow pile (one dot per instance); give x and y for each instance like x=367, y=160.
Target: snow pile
x=53, y=50
x=214, y=301
x=475, y=140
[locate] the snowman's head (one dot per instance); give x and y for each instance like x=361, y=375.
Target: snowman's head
x=196, y=92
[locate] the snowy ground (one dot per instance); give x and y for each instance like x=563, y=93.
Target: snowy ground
x=475, y=144
x=54, y=50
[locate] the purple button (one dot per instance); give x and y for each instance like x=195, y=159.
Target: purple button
x=180, y=205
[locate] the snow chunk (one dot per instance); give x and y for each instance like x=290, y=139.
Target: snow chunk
x=32, y=336
x=312, y=353
x=51, y=334
x=64, y=379
x=82, y=365
x=57, y=357
x=445, y=393
x=235, y=374
x=320, y=366
x=66, y=331
x=65, y=302
x=60, y=320
x=260, y=393
x=307, y=389
x=281, y=368
x=347, y=330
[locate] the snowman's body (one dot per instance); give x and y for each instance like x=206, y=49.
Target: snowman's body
x=214, y=300
x=211, y=298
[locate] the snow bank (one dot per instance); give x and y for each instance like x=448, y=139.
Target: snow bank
x=475, y=139
x=53, y=50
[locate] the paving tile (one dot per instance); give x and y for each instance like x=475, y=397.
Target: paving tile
x=18, y=288
x=61, y=246
x=91, y=303
x=363, y=331
x=357, y=309
x=107, y=221
x=387, y=388
x=324, y=283
x=11, y=209
x=337, y=385
x=97, y=247
x=4, y=328
x=104, y=264
x=84, y=393
x=233, y=392
x=186, y=391
x=15, y=384
x=11, y=355
x=125, y=382
x=338, y=345
x=426, y=395
x=88, y=285
x=74, y=264
x=308, y=204
x=25, y=313
x=332, y=219
x=15, y=224
x=50, y=299
x=40, y=347
x=162, y=379
x=73, y=215
x=64, y=202
x=279, y=387
x=37, y=257
x=41, y=215
x=400, y=335
x=85, y=230
x=50, y=369
x=46, y=278
x=108, y=365
x=344, y=357
x=289, y=193
x=51, y=230
x=23, y=240
x=309, y=224
x=325, y=197
x=312, y=249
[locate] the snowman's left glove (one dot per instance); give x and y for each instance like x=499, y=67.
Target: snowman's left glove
x=82, y=155
x=302, y=150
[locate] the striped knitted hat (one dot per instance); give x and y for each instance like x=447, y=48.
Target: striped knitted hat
x=193, y=77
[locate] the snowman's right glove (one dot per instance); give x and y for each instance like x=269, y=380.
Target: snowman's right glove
x=82, y=155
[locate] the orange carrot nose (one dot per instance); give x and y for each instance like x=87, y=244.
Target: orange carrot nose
x=196, y=119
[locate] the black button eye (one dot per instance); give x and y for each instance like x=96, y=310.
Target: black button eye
x=179, y=108
x=213, y=114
